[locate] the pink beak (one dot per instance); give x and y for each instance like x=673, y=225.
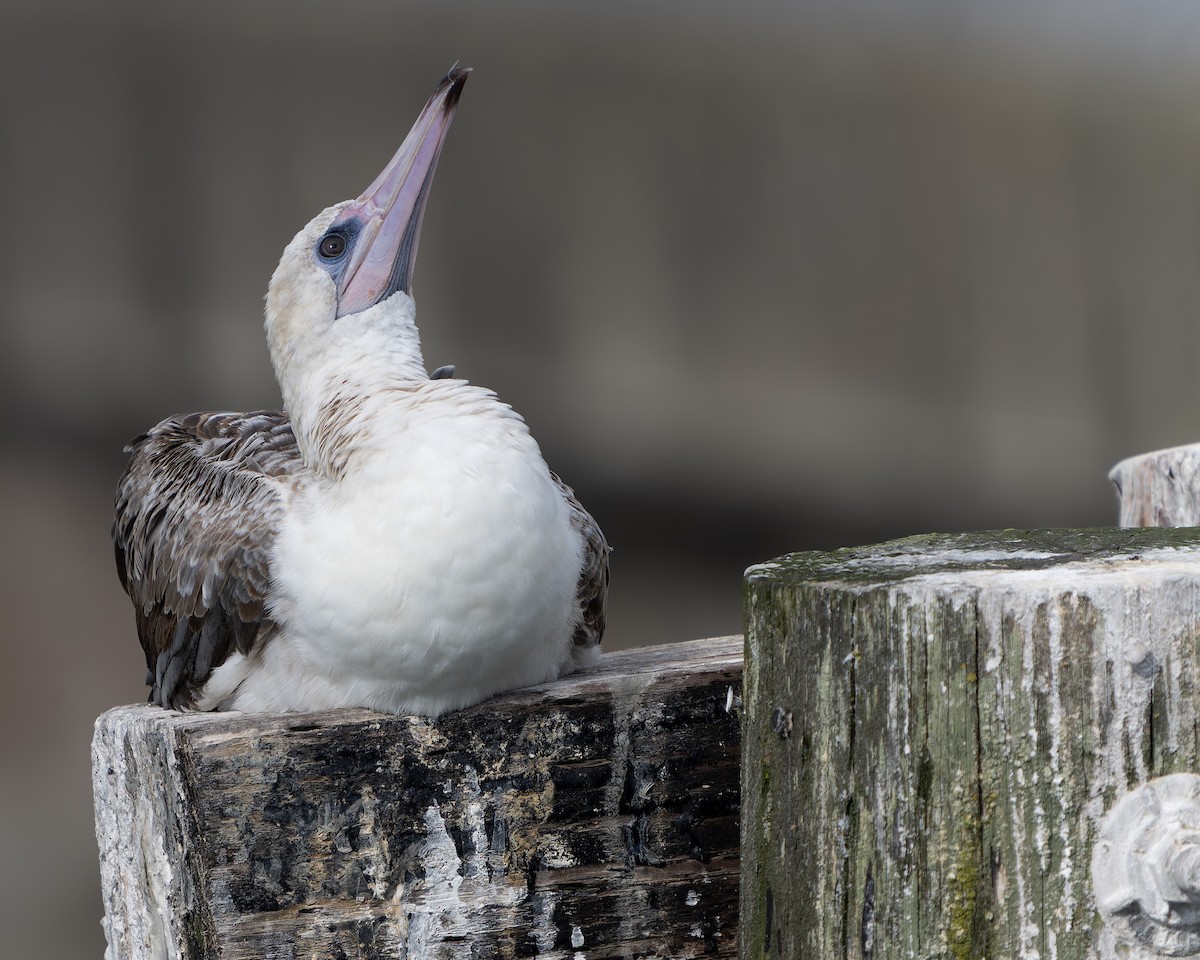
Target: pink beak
x=387, y=216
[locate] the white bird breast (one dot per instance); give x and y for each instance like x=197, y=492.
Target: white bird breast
x=443, y=572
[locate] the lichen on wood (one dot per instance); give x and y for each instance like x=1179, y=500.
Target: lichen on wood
x=592, y=817
x=961, y=711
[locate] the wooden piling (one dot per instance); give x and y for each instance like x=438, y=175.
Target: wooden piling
x=591, y=817
x=934, y=728
x=1159, y=489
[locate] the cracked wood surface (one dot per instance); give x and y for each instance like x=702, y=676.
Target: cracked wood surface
x=592, y=817
x=934, y=727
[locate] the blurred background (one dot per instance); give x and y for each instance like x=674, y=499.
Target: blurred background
x=762, y=277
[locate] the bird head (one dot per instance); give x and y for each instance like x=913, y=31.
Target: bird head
x=342, y=290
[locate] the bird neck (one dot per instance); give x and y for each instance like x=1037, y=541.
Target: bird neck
x=335, y=395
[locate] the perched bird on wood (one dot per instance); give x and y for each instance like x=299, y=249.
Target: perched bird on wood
x=390, y=539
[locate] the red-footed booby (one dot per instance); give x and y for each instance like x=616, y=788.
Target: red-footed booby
x=390, y=540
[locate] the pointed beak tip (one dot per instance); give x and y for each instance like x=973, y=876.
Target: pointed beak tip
x=454, y=79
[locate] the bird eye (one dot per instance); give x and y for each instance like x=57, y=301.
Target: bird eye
x=332, y=246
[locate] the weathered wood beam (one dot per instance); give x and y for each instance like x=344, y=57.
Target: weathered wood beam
x=1159, y=489
x=594, y=817
x=934, y=729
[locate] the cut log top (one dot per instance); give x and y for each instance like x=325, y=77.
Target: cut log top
x=977, y=558
x=627, y=675
x=595, y=813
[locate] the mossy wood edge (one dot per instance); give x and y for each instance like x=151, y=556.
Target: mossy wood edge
x=594, y=815
x=933, y=728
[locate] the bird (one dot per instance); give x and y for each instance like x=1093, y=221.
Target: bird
x=390, y=539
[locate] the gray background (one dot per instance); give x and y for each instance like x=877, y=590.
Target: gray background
x=762, y=277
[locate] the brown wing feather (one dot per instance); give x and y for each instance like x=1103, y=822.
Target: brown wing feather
x=196, y=513
x=592, y=591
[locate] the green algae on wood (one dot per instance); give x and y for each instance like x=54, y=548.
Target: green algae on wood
x=936, y=725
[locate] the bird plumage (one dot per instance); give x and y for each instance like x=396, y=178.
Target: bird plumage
x=394, y=540
x=197, y=512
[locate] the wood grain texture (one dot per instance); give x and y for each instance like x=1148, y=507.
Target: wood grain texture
x=1159, y=489
x=934, y=727
x=596, y=816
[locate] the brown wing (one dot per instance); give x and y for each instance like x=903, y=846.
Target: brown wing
x=197, y=510
x=592, y=591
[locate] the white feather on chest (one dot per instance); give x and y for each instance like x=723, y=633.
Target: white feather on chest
x=442, y=567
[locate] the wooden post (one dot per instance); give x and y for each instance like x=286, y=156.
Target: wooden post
x=1159, y=489
x=592, y=817
x=935, y=728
